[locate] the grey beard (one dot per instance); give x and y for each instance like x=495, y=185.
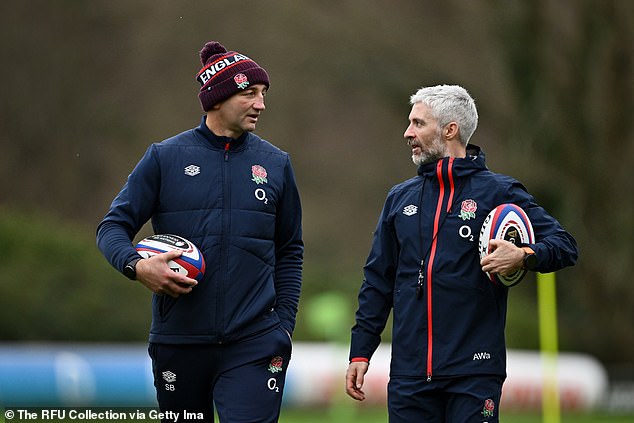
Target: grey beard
x=421, y=159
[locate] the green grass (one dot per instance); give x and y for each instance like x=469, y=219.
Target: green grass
x=379, y=415
x=348, y=414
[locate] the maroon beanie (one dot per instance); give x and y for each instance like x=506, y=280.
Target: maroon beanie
x=224, y=73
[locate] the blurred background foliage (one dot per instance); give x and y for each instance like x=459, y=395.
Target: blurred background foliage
x=87, y=86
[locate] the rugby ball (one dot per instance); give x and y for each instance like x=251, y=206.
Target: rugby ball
x=191, y=263
x=510, y=223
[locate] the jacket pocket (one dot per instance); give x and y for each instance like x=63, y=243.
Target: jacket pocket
x=286, y=340
x=162, y=305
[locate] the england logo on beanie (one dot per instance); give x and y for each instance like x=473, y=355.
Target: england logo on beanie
x=225, y=73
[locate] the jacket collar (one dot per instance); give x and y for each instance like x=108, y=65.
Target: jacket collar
x=218, y=141
x=473, y=162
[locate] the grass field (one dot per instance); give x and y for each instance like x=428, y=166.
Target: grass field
x=347, y=414
x=378, y=415
x=368, y=415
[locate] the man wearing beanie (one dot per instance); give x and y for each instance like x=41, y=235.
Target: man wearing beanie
x=225, y=341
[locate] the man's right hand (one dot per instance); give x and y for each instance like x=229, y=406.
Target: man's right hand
x=155, y=273
x=354, y=379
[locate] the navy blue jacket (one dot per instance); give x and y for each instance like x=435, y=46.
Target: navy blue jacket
x=455, y=327
x=247, y=223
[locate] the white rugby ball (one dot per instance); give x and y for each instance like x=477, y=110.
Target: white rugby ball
x=191, y=263
x=510, y=223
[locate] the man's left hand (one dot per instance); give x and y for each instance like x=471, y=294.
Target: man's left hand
x=504, y=258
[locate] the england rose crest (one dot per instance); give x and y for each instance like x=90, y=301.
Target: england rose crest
x=259, y=174
x=241, y=80
x=468, y=209
x=489, y=407
x=276, y=364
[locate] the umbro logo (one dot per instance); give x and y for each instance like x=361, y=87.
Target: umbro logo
x=410, y=210
x=192, y=170
x=169, y=376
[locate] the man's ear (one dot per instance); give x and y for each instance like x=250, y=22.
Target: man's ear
x=450, y=131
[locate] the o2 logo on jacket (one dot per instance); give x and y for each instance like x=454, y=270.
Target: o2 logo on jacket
x=260, y=195
x=466, y=232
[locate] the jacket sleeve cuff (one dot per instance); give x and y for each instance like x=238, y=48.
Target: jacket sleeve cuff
x=359, y=360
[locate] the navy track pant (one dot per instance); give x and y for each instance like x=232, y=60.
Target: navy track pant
x=244, y=380
x=473, y=399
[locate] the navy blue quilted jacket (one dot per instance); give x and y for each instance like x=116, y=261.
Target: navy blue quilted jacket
x=237, y=200
x=454, y=325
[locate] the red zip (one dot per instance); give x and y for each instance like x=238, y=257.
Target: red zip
x=227, y=151
x=450, y=173
x=432, y=254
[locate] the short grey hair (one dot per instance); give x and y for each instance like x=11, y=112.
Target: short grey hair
x=450, y=103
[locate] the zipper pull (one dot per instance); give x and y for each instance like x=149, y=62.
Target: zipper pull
x=227, y=151
x=421, y=280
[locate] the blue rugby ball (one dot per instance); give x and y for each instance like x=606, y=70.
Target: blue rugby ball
x=191, y=263
x=510, y=223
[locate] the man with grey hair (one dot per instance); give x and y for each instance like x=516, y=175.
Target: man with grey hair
x=448, y=349
x=447, y=104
